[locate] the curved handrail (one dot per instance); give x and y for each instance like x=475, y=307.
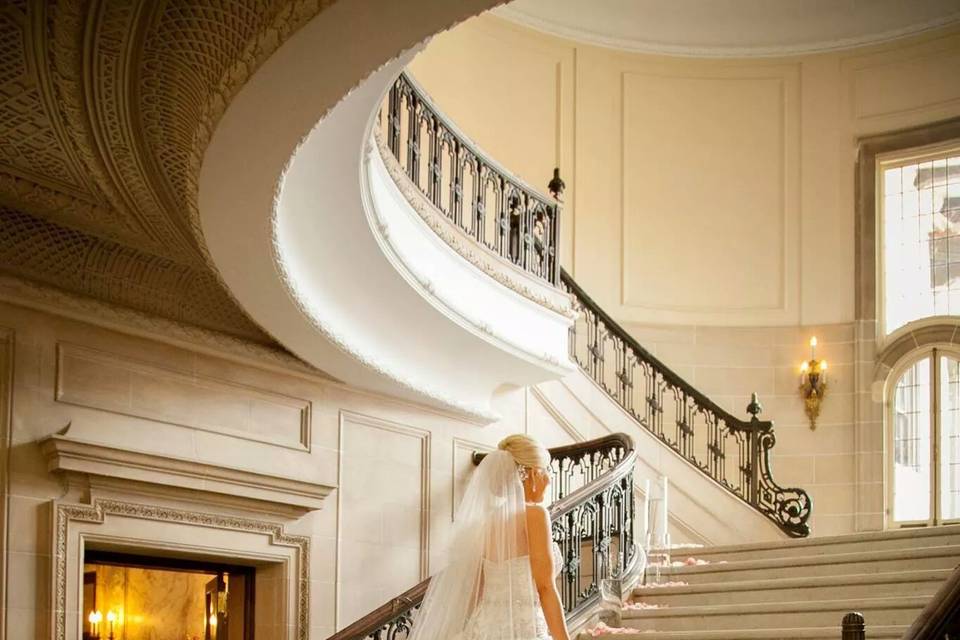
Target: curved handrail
x=488, y=203
x=613, y=486
x=941, y=617
x=639, y=379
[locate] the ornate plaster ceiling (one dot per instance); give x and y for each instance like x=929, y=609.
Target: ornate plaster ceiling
x=106, y=108
x=732, y=27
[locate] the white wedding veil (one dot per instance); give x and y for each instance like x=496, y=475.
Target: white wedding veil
x=489, y=530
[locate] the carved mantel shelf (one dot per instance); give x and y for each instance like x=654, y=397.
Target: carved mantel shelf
x=77, y=457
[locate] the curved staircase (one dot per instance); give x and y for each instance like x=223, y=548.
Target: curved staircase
x=780, y=589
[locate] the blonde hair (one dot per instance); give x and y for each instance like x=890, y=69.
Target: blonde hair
x=526, y=451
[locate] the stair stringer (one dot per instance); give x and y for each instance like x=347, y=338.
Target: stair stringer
x=701, y=511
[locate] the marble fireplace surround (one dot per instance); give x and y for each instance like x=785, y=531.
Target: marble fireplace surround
x=280, y=559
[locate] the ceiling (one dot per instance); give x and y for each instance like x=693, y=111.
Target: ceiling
x=105, y=111
x=732, y=28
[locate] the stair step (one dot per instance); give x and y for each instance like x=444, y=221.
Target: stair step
x=911, y=538
x=874, y=632
x=867, y=585
x=775, y=615
x=929, y=558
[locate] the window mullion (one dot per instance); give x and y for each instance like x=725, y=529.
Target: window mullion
x=935, y=435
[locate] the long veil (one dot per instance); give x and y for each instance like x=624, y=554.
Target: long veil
x=489, y=530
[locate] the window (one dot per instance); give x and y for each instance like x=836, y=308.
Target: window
x=925, y=451
x=919, y=199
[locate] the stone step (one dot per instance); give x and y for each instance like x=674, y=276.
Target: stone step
x=775, y=615
x=832, y=632
x=893, y=560
x=868, y=585
x=911, y=538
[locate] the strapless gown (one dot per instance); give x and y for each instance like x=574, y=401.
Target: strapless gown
x=508, y=587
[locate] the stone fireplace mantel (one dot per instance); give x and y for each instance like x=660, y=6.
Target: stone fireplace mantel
x=80, y=457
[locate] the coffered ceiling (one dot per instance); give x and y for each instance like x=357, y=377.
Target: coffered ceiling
x=106, y=108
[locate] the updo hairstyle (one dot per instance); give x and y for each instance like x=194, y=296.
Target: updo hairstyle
x=526, y=451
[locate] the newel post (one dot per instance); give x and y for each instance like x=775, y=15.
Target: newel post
x=853, y=627
x=555, y=187
x=754, y=409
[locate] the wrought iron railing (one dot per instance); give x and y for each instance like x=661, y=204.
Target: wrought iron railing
x=592, y=517
x=486, y=202
x=732, y=451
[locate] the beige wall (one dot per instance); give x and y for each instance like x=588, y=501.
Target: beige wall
x=700, y=192
x=399, y=467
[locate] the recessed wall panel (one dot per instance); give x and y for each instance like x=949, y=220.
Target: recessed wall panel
x=704, y=192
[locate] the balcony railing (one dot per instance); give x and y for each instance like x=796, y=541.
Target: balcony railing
x=486, y=202
x=733, y=452
x=592, y=516
x=519, y=224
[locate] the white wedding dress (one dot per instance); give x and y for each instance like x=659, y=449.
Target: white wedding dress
x=507, y=587
x=486, y=591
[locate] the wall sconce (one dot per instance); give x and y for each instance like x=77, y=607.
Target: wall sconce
x=813, y=383
x=95, y=618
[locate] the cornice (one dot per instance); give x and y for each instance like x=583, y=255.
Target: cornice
x=637, y=45
x=32, y=295
x=68, y=455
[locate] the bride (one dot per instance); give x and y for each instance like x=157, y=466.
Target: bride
x=499, y=584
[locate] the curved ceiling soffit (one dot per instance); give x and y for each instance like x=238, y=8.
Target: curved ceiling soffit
x=684, y=29
x=106, y=109
x=274, y=150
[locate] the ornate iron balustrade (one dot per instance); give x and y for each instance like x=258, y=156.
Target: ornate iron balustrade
x=734, y=452
x=592, y=519
x=486, y=202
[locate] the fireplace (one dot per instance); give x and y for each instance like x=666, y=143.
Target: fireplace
x=128, y=596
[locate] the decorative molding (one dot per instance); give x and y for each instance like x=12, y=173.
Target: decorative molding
x=33, y=295
x=101, y=509
x=637, y=45
x=69, y=389
x=857, y=69
x=65, y=454
x=429, y=290
x=425, y=438
x=929, y=332
x=788, y=79
x=6, y=436
x=103, y=155
x=38, y=297
x=479, y=256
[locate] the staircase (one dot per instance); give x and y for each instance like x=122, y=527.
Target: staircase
x=799, y=588
x=796, y=589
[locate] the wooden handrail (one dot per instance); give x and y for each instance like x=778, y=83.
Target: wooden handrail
x=941, y=617
x=390, y=610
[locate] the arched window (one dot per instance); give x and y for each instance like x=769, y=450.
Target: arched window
x=924, y=440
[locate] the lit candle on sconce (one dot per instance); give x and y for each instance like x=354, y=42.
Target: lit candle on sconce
x=813, y=383
x=94, y=619
x=111, y=619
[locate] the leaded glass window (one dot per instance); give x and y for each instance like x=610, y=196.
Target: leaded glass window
x=920, y=234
